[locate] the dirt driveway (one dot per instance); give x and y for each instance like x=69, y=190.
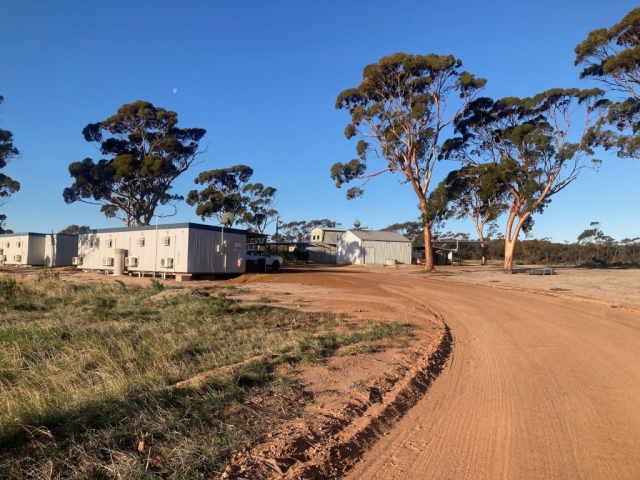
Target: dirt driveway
x=538, y=384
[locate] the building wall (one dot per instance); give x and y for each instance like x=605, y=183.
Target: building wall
x=379, y=252
x=207, y=254
x=193, y=250
x=59, y=249
x=147, y=245
x=349, y=249
x=353, y=250
x=30, y=247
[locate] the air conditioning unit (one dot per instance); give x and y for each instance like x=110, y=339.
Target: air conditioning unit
x=107, y=261
x=131, y=261
x=3, y=258
x=17, y=258
x=76, y=260
x=166, y=262
x=166, y=241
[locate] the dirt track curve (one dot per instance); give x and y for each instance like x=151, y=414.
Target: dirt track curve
x=537, y=387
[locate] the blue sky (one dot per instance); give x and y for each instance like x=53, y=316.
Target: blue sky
x=262, y=79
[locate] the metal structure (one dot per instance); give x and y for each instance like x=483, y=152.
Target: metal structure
x=172, y=249
x=370, y=247
x=38, y=249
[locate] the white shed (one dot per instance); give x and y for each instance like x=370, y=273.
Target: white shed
x=41, y=249
x=175, y=248
x=366, y=247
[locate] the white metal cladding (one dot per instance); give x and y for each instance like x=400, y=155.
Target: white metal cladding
x=29, y=246
x=356, y=250
x=208, y=254
x=59, y=249
x=96, y=246
x=192, y=247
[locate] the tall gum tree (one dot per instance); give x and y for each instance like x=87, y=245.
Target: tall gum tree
x=612, y=57
x=8, y=186
x=527, y=140
x=147, y=152
x=472, y=192
x=399, y=111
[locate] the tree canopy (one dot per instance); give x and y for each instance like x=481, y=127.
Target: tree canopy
x=146, y=152
x=229, y=190
x=300, y=230
x=399, y=111
x=523, y=146
x=8, y=151
x=612, y=57
x=76, y=229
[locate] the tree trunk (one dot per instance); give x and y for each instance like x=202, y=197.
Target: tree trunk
x=428, y=249
x=509, y=249
x=483, y=253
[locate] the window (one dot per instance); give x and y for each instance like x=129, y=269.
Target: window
x=8, y=244
x=166, y=241
x=141, y=242
x=110, y=243
x=19, y=244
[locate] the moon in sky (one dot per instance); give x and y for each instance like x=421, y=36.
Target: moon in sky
x=175, y=90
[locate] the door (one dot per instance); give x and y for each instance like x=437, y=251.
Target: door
x=369, y=255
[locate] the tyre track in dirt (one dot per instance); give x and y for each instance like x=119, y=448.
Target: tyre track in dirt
x=536, y=387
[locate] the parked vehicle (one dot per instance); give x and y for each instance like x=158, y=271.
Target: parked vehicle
x=271, y=261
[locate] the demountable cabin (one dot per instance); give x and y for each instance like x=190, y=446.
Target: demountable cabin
x=179, y=248
x=38, y=249
x=367, y=247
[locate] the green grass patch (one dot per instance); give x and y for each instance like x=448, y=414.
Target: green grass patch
x=88, y=374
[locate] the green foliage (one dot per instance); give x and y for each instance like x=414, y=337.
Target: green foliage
x=300, y=230
x=76, y=230
x=228, y=190
x=612, y=57
x=147, y=153
x=400, y=108
x=156, y=286
x=8, y=151
x=520, y=151
x=168, y=392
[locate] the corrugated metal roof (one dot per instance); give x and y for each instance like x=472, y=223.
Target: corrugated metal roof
x=378, y=236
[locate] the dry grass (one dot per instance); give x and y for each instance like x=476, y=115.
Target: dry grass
x=86, y=374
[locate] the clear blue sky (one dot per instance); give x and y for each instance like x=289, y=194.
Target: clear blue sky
x=262, y=79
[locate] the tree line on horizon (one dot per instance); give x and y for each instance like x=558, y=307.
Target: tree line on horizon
x=513, y=154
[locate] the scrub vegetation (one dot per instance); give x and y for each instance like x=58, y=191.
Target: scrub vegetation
x=97, y=380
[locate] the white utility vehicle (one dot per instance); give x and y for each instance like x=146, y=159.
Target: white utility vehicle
x=272, y=262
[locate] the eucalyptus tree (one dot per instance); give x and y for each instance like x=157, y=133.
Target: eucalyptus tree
x=228, y=190
x=8, y=186
x=474, y=192
x=146, y=153
x=399, y=111
x=259, y=209
x=222, y=192
x=612, y=57
x=528, y=142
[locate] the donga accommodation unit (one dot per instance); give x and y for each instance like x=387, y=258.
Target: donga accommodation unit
x=178, y=248
x=323, y=242
x=39, y=249
x=367, y=247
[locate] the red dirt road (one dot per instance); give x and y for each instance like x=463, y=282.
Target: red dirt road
x=537, y=387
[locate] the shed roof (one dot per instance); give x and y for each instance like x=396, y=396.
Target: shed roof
x=378, y=236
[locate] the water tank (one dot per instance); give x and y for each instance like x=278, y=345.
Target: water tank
x=118, y=264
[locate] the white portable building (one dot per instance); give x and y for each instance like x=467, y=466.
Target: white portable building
x=175, y=248
x=40, y=249
x=367, y=247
